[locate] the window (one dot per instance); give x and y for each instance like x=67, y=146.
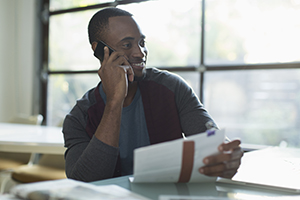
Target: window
x=240, y=56
x=251, y=32
x=259, y=106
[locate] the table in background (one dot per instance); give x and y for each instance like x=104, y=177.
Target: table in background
x=31, y=139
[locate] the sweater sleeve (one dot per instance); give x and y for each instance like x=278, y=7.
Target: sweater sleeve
x=193, y=116
x=87, y=159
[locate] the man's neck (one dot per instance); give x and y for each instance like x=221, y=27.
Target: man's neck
x=132, y=88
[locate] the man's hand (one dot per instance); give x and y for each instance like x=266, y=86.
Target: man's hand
x=115, y=71
x=226, y=163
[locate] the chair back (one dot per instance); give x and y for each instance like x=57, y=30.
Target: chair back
x=52, y=160
x=26, y=119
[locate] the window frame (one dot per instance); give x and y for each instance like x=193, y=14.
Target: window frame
x=201, y=69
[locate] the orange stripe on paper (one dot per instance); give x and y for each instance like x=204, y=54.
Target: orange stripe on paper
x=187, y=162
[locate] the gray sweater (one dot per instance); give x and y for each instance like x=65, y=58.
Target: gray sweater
x=171, y=108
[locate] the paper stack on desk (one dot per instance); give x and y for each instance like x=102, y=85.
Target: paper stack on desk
x=71, y=190
x=177, y=160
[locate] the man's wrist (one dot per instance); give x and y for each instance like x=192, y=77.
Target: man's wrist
x=114, y=104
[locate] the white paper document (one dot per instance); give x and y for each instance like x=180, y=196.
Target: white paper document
x=71, y=190
x=177, y=160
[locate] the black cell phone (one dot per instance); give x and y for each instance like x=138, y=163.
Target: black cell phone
x=99, y=51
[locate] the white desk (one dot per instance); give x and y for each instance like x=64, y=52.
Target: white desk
x=31, y=139
x=217, y=190
x=265, y=165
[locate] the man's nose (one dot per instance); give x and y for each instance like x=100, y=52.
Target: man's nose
x=140, y=51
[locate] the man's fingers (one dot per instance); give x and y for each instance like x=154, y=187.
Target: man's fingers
x=230, y=165
x=228, y=151
x=224, y=174
x=210, y=160
x=226, y=163
x=234, y=164
x=129, y=71
x=130, y=74
x=235, y=154
x=225, y=169
x=106, y=53
x=230, y=145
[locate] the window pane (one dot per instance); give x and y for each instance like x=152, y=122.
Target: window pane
x=247, y=31
x=63, y=91
x=172, y=30
x=69, y=47
x=260, y=107
x=173, y=38
x=66, y=4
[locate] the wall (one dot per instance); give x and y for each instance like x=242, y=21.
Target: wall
x=18, y=63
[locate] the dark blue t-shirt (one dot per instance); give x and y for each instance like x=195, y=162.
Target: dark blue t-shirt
x=133, y=131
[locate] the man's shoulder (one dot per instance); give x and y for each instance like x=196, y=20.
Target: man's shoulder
x=89, y=96
x=88, y=99
x=165, y=80
x=161, y=76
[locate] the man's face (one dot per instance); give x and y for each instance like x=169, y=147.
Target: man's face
x=124, y=35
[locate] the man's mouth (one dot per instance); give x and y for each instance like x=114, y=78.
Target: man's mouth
x=140, y=65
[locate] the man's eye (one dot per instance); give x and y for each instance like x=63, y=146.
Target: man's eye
x=127, y=45
x=142, y=43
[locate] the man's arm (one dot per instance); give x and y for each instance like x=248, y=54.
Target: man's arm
x=87, y=159
x=95, y=159
x=115, y=85
x=194, y=118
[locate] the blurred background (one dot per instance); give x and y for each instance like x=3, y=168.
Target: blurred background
x=241, y=57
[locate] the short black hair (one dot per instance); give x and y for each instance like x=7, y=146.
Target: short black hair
x=99, y=22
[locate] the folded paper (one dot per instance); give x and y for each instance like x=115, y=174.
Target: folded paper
x=178, y=160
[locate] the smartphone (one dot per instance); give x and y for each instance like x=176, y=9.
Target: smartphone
x=99, y=51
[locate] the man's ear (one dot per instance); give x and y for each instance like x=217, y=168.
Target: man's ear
x=94, y=45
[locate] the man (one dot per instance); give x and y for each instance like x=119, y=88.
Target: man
x=132, y=107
